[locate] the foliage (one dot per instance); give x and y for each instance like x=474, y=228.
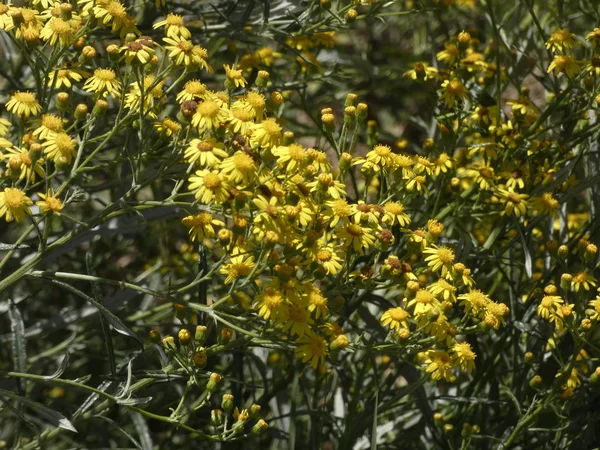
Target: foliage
x=315, y=224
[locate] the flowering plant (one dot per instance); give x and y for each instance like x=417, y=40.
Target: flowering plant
x=262, y=226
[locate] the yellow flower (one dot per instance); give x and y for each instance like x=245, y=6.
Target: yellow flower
x=61, y=148
x=317, y=303
x=65, y=77
x=4, y=127
x=424, y=302
x=474, y=302
x=6, y=21
x=548, y=305
x=560, y=40
x=241, y=118
x=421, y=71
x=14, y=204
x=139, y=51
x=49, y=203
x=152, y=97
x=326, y=184
x=464, y=356
x=515, y=203
x=23, y=104
x=240, y=265
x=209, y=186
x=266, y=134
x=293, y=157
x=235, y=78
x=583, y=279
x=312, y=348
x=329, y=258
x=269, y=303
x=355, y=236
x=167, y=127
x=103, y=83
x=296, y=319
x=443, y=290
x=545, y=204
x=193, y=89
x=593, y=37
x=439, y=258
x=209, y=115
x=28, y=169
x=395, y=318
x=205, y=152
x=452, y=91
x=49, y=126
x=336, y=210
x=256, y=102
x=449, y=55
x=113, y=13
x=595, y=304
x=494, y=314
x=439, y=365
x=239, y=168
x=174, y=26
x=58, y=30
x=201, y=226
x=382, y=156
x=184, y=53
x=563, y=64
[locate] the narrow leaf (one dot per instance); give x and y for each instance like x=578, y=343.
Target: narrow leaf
x=54, y=418
x=142, y=429
x=17, y=328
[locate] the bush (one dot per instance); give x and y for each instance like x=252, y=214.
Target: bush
x=316, y=224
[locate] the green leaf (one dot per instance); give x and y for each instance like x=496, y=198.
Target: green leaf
x=52, y=417
x=17, y=328
x=374, y=427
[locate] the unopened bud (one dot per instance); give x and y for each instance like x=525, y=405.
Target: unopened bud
x=81, y=111
x=154, y=336
x=184, y=336
x=213, y=382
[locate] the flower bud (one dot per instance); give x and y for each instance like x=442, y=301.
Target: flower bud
x=227, y=402
x=362, y=110
x=62, y=101
x=180, y=311
x=81, y=111
x=563, y=251
x=552, y=247
x=154, y=336
x=100, y=108
x=277, y=98
x=326, y=4
x=339, y=343
x=200, y=334
x=288, y=138
x=216, y=418
x=88, y=52
x=260, y=427
x=262, y=78
x=536, y=382
x=213, y=382
x=254, y=410
x=350, y=99
x=225, y=336
x=169, y=343
x=200, y=357
x=349, y=114
x=591, y=250
x=224, y=236
x=184, y=336
x=345, y=161
x=565, y=281
x=351, y=15
x=595, y=377
x=328, y=122
x=529, y=358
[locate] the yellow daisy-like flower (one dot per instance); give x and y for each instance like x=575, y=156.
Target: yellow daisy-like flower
x=184, y=53
x=50, y=203
x=167, y=127
x=330, y=259
x=256, y=103
x=312, y=348
x=266, y=134
x=139, y=51
x=453, y=91
x=27, y=168
x=545, y=204
x=424, y=302
x=65, y=77
x=356, y=236
x=58, y=30
x=439, y=258
x=449, y=55
x=201, y=226
x=4, y=127
x=174, y=26
x=317, y=302
x=583, y=280
x=235, y=77
x=113, y=13
x=293, y=157
x=240, y=265
x=515, y=203
x=239, y=168
x=296, y=319
x=594, y=38
x=103, y=83
x=382, y=156
x=6, y=21
x=474, y=301
x=395, y=318
x=464, y=356
x=439, y=365
x=23, y=104
x=443, y=290
x=395, y=214
x=564, y=64
x=204, y=152
x=548, y=305
x=61, y=148
x=209, y=185
x=209, y=115
x=560, y=40
x=193, y=89
x=152, y=97
x=241, y=118
x=421, y=71
x=49, y=126
x=269, y=303
x=14, y=205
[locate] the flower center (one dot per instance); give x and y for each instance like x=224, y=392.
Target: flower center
x=212, y=181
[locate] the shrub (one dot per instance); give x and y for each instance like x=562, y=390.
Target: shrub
x=299, y=225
